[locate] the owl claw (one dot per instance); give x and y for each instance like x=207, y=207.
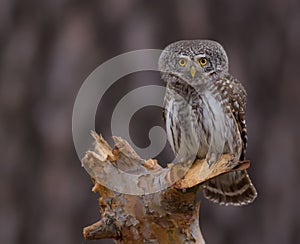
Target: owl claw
x=212, y=158
x=210, y=162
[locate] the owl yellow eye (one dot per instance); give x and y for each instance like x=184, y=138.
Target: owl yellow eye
x=182, y=62
x=203, y=61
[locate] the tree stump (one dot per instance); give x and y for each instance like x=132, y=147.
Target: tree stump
x=129, y=213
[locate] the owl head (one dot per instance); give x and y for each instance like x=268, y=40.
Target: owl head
x=194, y=60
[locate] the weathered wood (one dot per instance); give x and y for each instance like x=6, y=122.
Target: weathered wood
x=169, y=214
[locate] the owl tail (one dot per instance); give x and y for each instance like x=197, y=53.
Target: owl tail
x=234, y=188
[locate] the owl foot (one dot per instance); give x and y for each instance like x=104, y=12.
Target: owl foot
x=210, y=162
x=212, y=158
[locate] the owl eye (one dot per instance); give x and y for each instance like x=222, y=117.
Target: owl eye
x=182, y=62
x=203, y=61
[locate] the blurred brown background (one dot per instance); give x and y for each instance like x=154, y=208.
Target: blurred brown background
x=48, y=48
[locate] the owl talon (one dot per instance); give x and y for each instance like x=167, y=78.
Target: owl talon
x=210, y=162
x=211, y=158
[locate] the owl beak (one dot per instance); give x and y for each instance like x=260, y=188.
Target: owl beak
x=193, y=71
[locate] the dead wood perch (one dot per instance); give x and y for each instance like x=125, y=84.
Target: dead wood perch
x=169, y=214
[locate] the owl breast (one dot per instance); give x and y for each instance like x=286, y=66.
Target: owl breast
x=199, y=124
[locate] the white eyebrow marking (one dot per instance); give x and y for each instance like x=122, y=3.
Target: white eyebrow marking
x=200, y=56
x=183, y=56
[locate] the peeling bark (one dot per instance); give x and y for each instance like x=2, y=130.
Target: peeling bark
x=166, y=215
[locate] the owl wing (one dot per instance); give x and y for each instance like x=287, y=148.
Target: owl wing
x=237, y=99
x=234, y=188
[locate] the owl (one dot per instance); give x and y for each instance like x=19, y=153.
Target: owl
x=204, y=113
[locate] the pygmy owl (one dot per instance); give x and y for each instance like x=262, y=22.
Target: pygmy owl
x=204, y=112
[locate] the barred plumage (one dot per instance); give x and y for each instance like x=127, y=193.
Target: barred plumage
x=204, y=111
